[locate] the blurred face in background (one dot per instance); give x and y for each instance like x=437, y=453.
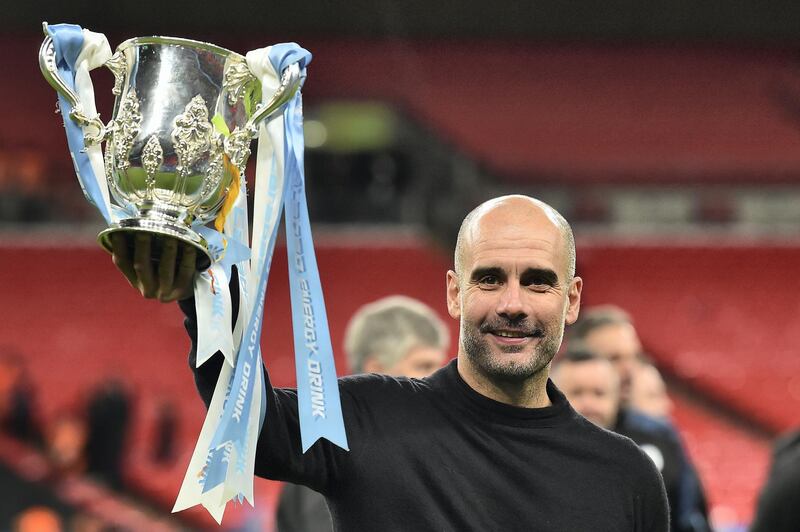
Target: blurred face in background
x=592, y=388
x=620, y=345
x=649, y=393
x=419, y=362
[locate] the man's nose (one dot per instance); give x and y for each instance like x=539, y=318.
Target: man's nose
x=511, y=304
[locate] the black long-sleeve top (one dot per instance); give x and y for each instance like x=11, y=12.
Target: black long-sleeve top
x=434, y=455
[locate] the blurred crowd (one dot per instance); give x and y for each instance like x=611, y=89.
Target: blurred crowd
x=88, y=442
x=88, y=439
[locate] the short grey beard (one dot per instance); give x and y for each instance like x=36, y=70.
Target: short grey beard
x=479, y=355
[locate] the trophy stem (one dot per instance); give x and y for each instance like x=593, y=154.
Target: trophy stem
x=161, y=222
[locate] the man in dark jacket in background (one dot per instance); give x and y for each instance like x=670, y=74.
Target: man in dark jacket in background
x=778, y=507
x=608, y=332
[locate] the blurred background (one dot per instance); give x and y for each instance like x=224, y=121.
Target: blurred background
x=667, y=132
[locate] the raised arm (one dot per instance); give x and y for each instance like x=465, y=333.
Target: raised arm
x=163, y=269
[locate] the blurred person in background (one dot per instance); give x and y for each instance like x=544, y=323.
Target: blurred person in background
x=590, y=384
x=66, y=444
x=778, y=508
x=108, y=415
x=649, y=391
x=397, y=336
x=18, y=417
x=164, y=450
x=608, y=332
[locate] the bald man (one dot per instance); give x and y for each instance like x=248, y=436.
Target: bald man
x=487, y=442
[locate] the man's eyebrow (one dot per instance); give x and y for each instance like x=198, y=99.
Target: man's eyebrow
x=479, y=273
x=550, y=277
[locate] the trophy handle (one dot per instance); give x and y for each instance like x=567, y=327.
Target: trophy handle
x=290, y=83
x=47, y=64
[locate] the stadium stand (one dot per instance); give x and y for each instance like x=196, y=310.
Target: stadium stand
x=723, y=318
x=731, y=462
x=706, y=113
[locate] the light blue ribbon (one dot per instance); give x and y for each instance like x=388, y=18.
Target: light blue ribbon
x=317, y=386
x=224, y=250
x=68, y=43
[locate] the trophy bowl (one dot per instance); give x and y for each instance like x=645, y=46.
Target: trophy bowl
x=183, y=119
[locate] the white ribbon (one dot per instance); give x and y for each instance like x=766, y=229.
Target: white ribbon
x=95, y=52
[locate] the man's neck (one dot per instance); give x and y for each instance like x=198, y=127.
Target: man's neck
x=529, y=393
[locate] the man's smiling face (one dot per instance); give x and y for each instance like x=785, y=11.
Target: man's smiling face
x=513, y=293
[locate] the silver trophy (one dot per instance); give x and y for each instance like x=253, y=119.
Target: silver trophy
x=184, y=116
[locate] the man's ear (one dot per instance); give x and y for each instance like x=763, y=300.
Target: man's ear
x=453, y=295
x=574, y=300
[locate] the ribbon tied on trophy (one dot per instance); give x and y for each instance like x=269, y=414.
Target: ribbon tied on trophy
x=174, y=163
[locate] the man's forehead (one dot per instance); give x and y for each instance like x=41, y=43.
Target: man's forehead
x=505, y=222
x=492, y=240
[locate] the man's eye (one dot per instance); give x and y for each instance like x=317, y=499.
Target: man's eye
x=539, y=283
x=489, y=280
